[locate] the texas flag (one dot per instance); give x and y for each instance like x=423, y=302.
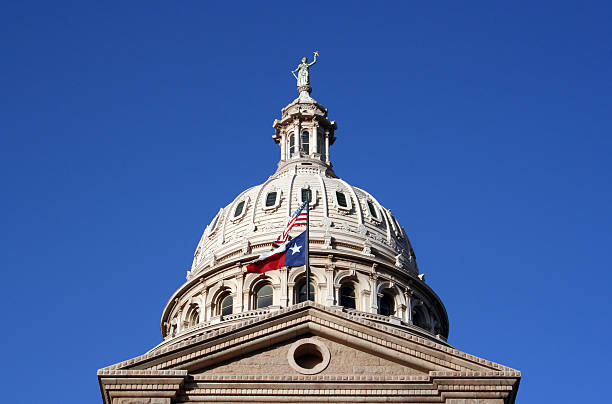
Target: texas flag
x=291, y=253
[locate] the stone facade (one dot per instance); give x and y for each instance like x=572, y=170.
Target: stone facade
x=374, y=332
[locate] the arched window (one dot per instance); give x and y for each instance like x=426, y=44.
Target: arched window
x=226, y=305
x=239, y=209
x=291, y=144
x=418, y=318
x=263, y=297
x=347, y=296
x=301, y=292
x=305, y=142
x=194, y=316
x=386, y=306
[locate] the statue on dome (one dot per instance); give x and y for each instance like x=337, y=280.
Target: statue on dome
x=303, y=76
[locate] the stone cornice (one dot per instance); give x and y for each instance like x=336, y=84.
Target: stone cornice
x=318, y=319
x=123, y=383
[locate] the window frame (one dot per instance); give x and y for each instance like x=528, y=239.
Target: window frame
x=220, y=306
x=307, y=143
x=391, y=297
x=353, y=288
x=291, y=144
x=215, y=223
x=314, y=195
x=347, y=196
x=371, y=205
x=277, y=201
x=256, y=295
x=193, y=317
x=297, y=289
x=246, y=201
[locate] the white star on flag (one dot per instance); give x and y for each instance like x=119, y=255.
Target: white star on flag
x=295, y=249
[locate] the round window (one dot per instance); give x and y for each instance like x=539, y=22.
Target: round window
x=308, y=356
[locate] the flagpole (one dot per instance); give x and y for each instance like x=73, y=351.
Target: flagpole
x=308, y=247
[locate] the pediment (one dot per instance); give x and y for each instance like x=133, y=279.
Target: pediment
x=281, y=360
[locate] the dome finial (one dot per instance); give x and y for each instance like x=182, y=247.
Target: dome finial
x=303, y=75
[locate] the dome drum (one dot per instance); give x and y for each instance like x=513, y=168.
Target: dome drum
x=370, y=282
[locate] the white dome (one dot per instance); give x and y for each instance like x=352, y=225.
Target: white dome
x=360, y=258
x=358, y=224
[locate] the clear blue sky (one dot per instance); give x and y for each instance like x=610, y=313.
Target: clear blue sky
x=485, y=127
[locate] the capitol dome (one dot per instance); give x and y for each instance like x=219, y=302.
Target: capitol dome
x=361, y=259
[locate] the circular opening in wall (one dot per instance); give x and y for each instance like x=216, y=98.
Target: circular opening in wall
x=308, y=356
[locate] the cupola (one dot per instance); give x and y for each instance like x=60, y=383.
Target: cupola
x=304, y=130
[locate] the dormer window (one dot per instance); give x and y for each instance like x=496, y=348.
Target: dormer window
x=271, y=199
x=341, y=198
x=398, y=229
x=306, y=195
x=215, y=223
x=305, y=142
x=342, y=201
x=373, y=210
x=239, y=209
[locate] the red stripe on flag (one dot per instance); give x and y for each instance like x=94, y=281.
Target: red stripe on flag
x=267, y=264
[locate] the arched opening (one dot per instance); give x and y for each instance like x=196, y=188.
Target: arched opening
x=305, y=142
x=418, y=318
x=263, y=296
x=386, y=305
x=301, y=291
x=226, y=305
x=291, y=144
x=194, y=316
x=347, y=296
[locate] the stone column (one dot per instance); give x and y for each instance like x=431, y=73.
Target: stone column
x=408, y=296
x=329, y=275
x=238, y=300
x=203, y=296
x=284, y=146
x=373, y=293
x=284, y=291
x=327, y=147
